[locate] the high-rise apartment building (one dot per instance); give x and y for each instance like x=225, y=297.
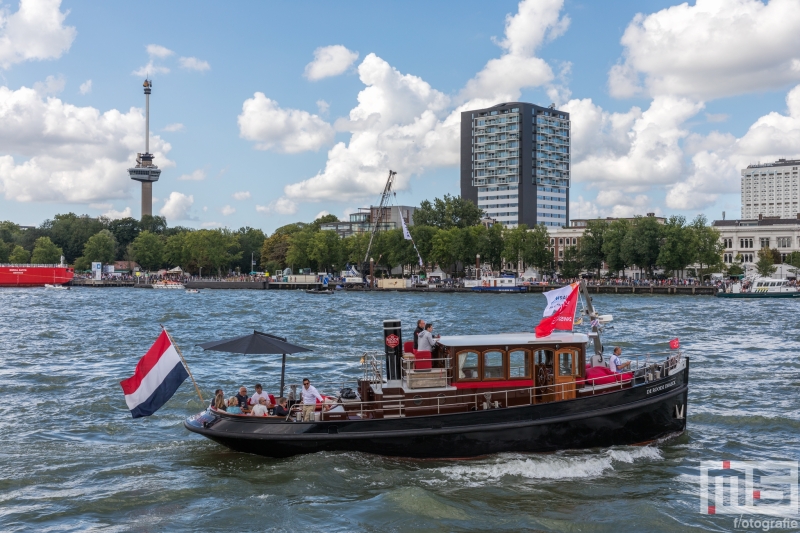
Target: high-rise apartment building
x=515, y=163
x=770, y=189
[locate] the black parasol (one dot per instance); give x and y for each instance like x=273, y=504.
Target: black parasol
x=256, y=343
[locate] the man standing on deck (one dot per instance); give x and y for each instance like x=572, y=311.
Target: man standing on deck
x=420, y=329
x=310, y=395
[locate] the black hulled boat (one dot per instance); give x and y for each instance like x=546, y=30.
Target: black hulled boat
x=481, y=394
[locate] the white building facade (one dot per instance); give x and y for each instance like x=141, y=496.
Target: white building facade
x=771, y=189
x=746, y=237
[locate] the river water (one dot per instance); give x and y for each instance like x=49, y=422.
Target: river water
x=72, y=458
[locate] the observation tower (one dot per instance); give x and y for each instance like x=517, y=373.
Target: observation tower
x=145, y=171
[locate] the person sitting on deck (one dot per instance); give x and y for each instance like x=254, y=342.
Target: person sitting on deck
x=260, y=409
x=242, y=398
x=310, y=395
x=233, y=406
x=614, y=362
x=219, y=401
x=282, y=409
x=259, y=394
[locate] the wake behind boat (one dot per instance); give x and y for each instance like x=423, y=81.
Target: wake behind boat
x=480, y=394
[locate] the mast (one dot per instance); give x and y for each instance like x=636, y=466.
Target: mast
x=387, y=189
x=589, y=311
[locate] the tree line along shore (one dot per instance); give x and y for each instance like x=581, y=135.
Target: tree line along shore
x=447, y=232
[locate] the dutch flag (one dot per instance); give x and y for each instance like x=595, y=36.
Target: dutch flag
x=156, y=378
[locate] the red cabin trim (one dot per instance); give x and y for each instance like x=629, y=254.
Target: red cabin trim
x=495, y=384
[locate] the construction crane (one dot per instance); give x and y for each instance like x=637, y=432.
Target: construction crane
x=387, y=191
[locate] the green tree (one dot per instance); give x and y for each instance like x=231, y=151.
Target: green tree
x=148, y=248
x=765, y=264
x=515, y=243
x=642, y=243
x=324, y=219
x=493, y=252
x=445, y=247
x=45, y=252
x=612, y=245
x=176, y=252
x=423, y=237
x=571, y=264
x=793, y=259
x=735, y=270
x=709, y=245
x=298, y=254
x=251, y=240
x=153, y=224
x=678, y=247
x=100, y=247
x=19, y=255
x=536, y=251
x=591, y=247
x=5, y=251
x=71, y=232
x=125, y=231
x=326, y=249
x=448, y=212
x=212, y=249
x=9, y=232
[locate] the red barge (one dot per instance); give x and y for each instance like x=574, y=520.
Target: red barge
x=34, y=275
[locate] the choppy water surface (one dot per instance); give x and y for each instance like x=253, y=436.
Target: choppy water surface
x=73, y=459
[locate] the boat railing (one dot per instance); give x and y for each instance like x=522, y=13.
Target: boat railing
x=513, y=397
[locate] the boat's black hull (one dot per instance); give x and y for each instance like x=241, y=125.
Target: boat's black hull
x=630, y=416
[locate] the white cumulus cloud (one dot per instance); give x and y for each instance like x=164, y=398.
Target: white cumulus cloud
x=65, y=153
x=35, y=31
x=175, y=126
x=402, y=123
x=330, y=61
x=86, y=87
x=241, y=195
x=113, y=214
x=156, y=50
x=192, y=63
x=286, y=130
x=228, y=210
x=718, y=157
x=710, y=49
x=177, y=206
x=197, y=175
x=281, y=206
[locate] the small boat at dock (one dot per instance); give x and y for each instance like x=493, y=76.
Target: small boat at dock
x=760, y=288
x=168, y=285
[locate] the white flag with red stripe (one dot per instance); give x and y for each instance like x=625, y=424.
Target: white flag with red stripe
x=156, y=378
x=560, y=310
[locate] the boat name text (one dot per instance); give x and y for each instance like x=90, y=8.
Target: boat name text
x=651, y=390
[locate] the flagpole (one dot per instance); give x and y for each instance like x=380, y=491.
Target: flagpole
x=184, y=363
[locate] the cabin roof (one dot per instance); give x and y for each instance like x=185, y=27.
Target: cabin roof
x=502, y=339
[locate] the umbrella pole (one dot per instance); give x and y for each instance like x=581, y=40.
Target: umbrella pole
x=283, y=373
x=184, y=364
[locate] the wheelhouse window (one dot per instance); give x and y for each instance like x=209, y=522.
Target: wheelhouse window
x=565, y=364
x=543, y=357
x=493, y=365
x=519, y=364
x=468, y=366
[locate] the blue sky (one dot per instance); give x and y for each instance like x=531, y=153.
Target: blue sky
x=67, y=144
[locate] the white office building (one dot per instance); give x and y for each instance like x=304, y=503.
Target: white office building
x=771, y=189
